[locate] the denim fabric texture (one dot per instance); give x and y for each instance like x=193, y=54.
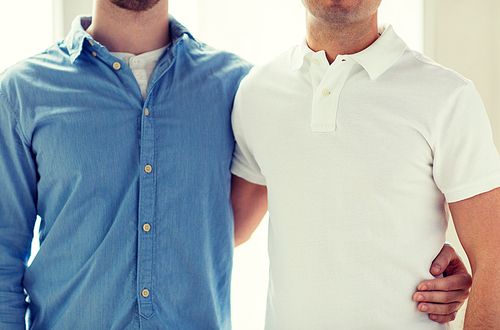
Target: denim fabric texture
x=136, y=222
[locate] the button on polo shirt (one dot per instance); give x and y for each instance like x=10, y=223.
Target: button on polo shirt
x=327, y=81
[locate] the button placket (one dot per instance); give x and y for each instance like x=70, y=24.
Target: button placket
x=147, y=207
x=318, y=69
x=326, y=97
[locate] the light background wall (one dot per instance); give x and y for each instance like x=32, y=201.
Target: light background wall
x=260, y=30
x=21, y=36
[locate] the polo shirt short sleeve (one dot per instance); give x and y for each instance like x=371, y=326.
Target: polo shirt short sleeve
x=244, y=164
x=466, y=162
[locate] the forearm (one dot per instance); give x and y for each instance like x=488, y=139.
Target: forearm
x=249, y=207
x=483, y=307
x=477, y=221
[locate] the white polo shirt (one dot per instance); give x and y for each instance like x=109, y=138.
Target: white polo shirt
x=358, y=157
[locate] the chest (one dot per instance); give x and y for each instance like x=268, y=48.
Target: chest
x=376, y=140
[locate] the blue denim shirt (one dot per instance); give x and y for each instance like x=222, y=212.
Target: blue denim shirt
x=133, y=195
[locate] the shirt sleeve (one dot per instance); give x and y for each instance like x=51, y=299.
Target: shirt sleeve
x=244, y=164
x=17, y=216
x=466, y=161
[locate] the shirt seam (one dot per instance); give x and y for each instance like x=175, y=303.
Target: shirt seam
x=10, y=107
x=478, y=185
x=242, y=171
x=437, y=65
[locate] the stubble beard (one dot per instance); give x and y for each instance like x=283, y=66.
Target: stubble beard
x=337, y=15
x=135, y=5
x=338, y=12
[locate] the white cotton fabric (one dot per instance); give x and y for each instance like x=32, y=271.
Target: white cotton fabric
x=142, y=66
x=359, y=158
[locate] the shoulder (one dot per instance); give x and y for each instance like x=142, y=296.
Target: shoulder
x=430, y=88
x=269, y=86
x=28, y=82
x=206, y=56
x=280, y=65
x=33, y=70
x=434, y=74
x=265, y=78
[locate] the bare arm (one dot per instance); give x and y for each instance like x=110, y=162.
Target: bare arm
x=477, y=221
x=441, y=298
x=249, y=202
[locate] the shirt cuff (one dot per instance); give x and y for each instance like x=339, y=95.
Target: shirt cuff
x=483, y=186
x=248, y=175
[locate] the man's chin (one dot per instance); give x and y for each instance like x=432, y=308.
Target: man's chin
x=135, y=5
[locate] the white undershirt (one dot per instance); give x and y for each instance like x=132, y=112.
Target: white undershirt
x=142, y=66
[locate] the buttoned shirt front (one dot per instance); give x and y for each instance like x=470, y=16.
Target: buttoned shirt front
x=133, y=194
x=359, y=158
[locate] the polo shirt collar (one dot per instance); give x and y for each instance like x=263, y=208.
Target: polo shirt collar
x=74, y=41
x=376, y=59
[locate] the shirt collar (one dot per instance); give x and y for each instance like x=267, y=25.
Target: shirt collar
x=376, y=59
x=74, y=41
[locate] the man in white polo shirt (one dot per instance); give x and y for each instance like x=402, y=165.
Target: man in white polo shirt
x=362, y=144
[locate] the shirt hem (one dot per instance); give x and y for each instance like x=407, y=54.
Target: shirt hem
x=482, y=187
x=247, y=175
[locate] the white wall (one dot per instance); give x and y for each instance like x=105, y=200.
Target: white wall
x=257, y=30
x=23, y=32
x=65, y=11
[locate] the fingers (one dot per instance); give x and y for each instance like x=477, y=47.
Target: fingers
x=446, y=300
x=444, y=258
x=459, y=281
x=443, y=318
x=441, y=298
x=442, y=306
x=439, y=309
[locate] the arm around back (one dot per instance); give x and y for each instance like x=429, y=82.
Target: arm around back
x=442, y=297
x=249, y=202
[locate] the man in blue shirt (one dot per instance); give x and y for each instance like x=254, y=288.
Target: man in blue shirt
x=132, y=188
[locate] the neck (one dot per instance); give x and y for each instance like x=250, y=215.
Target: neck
x=126, y=31
x=339, y=38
